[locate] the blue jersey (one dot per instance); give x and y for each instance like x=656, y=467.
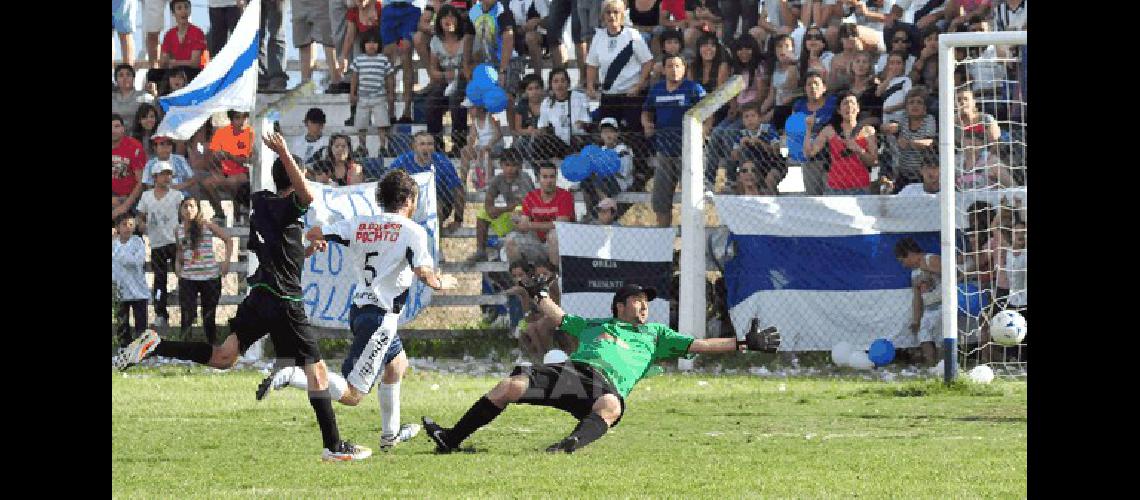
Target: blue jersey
x=445, y=177
x=668, y=108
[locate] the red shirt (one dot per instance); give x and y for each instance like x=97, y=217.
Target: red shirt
x=847, y=172
x=127, y=163
x=540, y=211
x=675, y=7
x=354, y=17
x=181, y=51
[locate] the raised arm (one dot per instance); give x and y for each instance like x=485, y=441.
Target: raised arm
x=701, y=346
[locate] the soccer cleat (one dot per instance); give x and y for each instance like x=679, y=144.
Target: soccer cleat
x=345, y=451
x=407, y=431
x=567, y=445
x=437, y=434
x=275, y=381
x=137, y=350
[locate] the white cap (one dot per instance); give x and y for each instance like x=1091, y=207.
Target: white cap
x=609, y=120
x=162, y=166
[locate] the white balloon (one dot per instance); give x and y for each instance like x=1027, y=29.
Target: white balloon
x=554, y=356
x=981, y=374
x=859, y=360
x=840, y=354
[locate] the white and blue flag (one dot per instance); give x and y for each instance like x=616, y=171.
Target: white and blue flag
x=822, y=269
x=229, y=81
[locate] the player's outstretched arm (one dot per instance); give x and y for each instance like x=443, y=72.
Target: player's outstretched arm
x=701, y=346
x=435, y=280
x=276, y=143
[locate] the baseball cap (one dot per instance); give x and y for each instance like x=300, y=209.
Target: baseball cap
x=163, y=166
x=607, y=203
x=160, y=138
x=631, y=289
x=609, y=122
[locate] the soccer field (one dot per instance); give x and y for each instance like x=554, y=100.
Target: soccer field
x=189, y=432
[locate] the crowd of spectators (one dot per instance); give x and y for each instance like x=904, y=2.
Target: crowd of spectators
x=843, y=90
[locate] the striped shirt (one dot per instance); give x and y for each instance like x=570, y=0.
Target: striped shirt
x=198, y=263
x=127, y=260
x=371, y=72
x=909, y=161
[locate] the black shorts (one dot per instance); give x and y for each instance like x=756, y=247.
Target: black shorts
x=572, y=387
x=285, y=321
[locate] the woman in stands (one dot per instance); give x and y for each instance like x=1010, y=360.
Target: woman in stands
x=863, y=84
x=146, y=121
x=342, y=170
x=974, y=133
x=785, y=81
x=710, y=68
x=748, y=61
x=852, y=147
x=448, y=79
x=751, y=182
x=814, y=55
x=527, y=109
x=199, y=271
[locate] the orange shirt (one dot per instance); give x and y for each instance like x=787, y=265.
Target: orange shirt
x=239, y=144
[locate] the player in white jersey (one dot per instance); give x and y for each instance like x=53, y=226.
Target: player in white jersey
x=386, y=251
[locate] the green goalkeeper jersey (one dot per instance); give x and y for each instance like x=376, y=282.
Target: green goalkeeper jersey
x=622, y=351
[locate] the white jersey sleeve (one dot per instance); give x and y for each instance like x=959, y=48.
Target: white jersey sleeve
x=341, y=229
x=421, y=255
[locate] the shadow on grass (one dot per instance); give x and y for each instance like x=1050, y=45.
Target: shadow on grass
x=933, y=388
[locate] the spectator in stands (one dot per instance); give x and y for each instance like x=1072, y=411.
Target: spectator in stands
x=869, y=17
x=125, y=100
x=425, y=29
x=853, y=149
x=528, y=16
x=930, y=176
x=814, y=55
x=1010, y=15
x=645, y=15
x=449, y=190
x=127, y=162
x=596, y=187
x=512, y=185
x=307, y=146
x=916, y=137
x=819, y=107
x=176, y=78
x=128, y=261
x=893, y=88
x=900, y=43
x=199, y=271
x=752, y=181
x=661, y=118
x=231, y=147
x=617, y=70
x=756, y=142
x=271, y=53
x=372, y=92
x=914, y=16
x=606, y=211
x=338, y=162
x=748, y=62
x=562, y=117
x=201, y=163
x=864, y=83
x=702, y=19
x=524, y=128
x=484, y=143
x=448, y=77
x=312, y=24
x=184, y=43
x=974, y=132
x=146, y=121
x=785, y=81
x=398, y=24
x=926, y=280
x=123, y=20
x=183, y=178
x=534, y=225
x=154, y=20
x=493, y=43
x=224, y=15
x=925, y=70
x=158, y=216
x=822, y=14
x=734, y=13
x=672, y=43
x=710, y=68
x=356, y=23
x=966, y=12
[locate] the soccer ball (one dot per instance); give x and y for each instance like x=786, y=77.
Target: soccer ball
x=1008, y=328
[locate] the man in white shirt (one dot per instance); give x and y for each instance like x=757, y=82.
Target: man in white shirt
x=930, y=183
x=386, y=251
x=306, y=146
x=618, y=68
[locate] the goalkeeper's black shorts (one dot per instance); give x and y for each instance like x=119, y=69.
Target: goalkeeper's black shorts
x=571, y=386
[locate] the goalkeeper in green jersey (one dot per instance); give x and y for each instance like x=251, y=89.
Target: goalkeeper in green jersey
x=613, y=354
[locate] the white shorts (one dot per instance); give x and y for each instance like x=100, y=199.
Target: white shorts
x=366, y=107
x=154, y=15
x=930, y=328
x=371, y=361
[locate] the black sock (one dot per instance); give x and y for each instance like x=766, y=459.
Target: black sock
x=480, y=414
x=198, y=352
x=589, y=430
x=326, y=419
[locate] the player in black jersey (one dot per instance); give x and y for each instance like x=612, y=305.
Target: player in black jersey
x=273, y=305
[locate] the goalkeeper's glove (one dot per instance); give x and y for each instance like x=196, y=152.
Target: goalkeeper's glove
x=766, y=340
x=537, y=286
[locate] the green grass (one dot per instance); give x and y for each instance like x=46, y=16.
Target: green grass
x=187, y=432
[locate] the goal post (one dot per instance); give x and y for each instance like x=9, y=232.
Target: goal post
x=691, y=312
x=951, y=172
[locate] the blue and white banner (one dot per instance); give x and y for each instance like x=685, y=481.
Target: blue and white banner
x=229, y=81
x=822, y=269
x=326, y=282
x=598, y=260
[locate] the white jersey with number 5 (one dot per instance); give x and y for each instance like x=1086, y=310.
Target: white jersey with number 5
x=382, y=250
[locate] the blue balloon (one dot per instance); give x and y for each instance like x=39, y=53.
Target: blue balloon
x=575, y=168
x=971, y=300
x=882, y=352
x=610, y=163
x=485, y=73
x=475, y=92
x=495, y=99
